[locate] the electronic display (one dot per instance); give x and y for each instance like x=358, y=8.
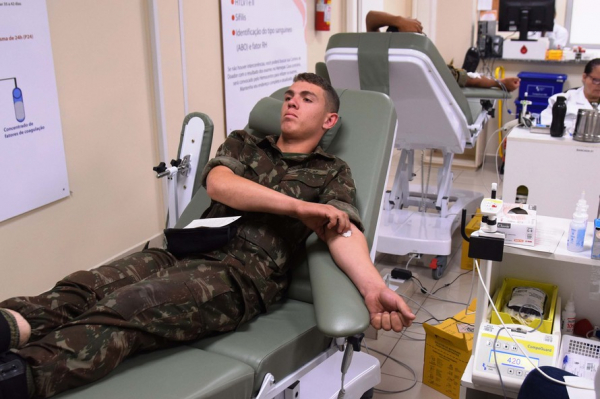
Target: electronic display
x=513, y=360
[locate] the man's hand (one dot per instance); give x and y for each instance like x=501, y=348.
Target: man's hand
x=319, y=217
x=379, y=19
x=388, y=311
x=408, y=25
x=511, y=84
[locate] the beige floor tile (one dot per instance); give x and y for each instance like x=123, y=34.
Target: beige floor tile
x=399, y=386
x=465, y=279
x=383, y=344
x=411, y=353
x=441, y=310
x=392, y=383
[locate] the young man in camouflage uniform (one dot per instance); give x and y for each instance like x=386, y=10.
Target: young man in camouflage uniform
x=283, y=187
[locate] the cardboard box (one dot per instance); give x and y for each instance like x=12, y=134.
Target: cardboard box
x=517, y=222
x=466, y=263
x=448, y=347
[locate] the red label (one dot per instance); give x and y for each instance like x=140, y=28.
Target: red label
x=524, y=50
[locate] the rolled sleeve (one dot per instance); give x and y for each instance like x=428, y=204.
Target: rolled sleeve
x=340, y=192
x=227, y=155
x=460, y=75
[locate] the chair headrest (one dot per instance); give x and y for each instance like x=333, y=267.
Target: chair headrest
x=265, y=120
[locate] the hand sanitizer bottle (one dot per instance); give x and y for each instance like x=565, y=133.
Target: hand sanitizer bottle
x=568, y=317
x=578, y=226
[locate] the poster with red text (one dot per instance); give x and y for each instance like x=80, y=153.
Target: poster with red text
x=264, y=46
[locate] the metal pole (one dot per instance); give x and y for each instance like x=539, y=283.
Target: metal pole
x=163, y=148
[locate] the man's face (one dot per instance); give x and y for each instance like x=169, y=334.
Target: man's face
x=591, y=84
x=304, y=112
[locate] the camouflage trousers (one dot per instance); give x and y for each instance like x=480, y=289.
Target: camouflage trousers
x=92, y=320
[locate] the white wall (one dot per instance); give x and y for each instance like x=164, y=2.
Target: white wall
x=103, y=62
x=102, y=56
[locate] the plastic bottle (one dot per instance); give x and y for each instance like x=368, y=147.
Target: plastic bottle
x=568, y=317
x=578, y=226
x=596, y=240
x=559, y=110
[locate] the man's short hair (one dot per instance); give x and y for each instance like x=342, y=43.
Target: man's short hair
x=333, y=101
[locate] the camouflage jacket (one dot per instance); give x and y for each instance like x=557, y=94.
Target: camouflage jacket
x=265, y=242
x=459, y=74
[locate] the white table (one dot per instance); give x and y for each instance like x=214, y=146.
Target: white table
x=555, y=170
x=571, y=271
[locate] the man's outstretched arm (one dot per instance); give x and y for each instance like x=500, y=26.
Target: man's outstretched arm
x=510, y=83
x=387, y=309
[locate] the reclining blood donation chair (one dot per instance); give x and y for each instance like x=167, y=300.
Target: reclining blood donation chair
x=434, y=113
x=302, y=337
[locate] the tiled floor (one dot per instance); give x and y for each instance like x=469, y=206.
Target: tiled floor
x=408, y=347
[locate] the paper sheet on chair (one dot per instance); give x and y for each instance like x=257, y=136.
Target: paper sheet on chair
x=212, y=222
x=577, y=393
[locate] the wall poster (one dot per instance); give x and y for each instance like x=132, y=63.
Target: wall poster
x=33, y=169
x=264, y=46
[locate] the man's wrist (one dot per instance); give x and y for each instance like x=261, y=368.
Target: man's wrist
x=372, y=288
x=296, y=207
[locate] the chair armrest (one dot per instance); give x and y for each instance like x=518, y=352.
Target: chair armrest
x=339, y=307
x=492, y=94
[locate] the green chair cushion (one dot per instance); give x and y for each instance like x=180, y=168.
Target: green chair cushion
x=278, y=342
x=177, y=373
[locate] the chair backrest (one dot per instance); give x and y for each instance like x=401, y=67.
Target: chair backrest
x=203, y=125
x=363, y=139
x=432, y=110
x=194, y=143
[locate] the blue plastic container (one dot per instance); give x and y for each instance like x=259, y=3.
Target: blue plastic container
x=540, y=86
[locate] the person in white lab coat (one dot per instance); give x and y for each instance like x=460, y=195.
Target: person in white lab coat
x=558, y=37
x=580, y=98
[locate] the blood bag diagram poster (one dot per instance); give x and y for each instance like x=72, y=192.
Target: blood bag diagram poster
x=33, y=170
x=264, y=46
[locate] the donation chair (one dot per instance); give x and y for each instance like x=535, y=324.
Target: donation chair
x=298, y=339
x=434, y=114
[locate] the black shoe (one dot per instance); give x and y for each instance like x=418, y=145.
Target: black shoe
x=13, y=376
x=8, y=331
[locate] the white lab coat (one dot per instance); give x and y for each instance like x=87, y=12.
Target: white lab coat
x=558, y=37
x=575, y=101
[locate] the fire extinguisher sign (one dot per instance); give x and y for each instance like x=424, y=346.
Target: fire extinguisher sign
x=264, y=47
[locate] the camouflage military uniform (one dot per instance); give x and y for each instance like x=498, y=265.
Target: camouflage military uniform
x=92, y=320
x=459, y=74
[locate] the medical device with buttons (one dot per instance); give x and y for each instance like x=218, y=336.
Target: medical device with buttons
x=522, y=330
x=510, y=359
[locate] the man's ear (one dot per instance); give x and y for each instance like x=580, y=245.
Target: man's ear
x=330, y=120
